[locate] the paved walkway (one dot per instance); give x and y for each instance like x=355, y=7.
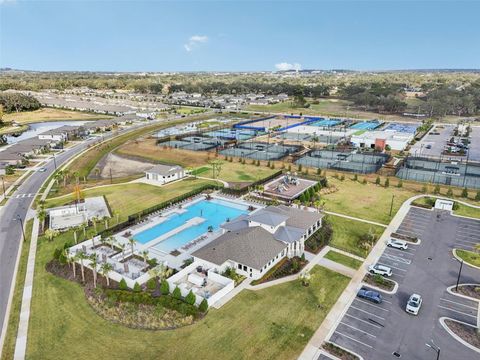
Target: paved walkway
x=355, y=218
x=21, y=343
x=231, y=294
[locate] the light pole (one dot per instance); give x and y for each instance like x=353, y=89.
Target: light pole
x=434, y=348
x=54, y=161
x=459, y=272
x=3, y=185
x=391, y=205
x=21, y=225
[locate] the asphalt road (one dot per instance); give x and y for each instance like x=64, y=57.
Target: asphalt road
x=17, y=207
x=377, y=331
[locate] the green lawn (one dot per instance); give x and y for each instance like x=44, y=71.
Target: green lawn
x=369, y=201
x=469, y=257
x=130, y=198
x=343, y=259
x=274, y=323
x=346, y=233
x=11, y=336
x=464, y=210
x=236, y=172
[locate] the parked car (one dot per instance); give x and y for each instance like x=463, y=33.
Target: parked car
x=397, y=244
x=370, y=295
x=378, y=269
x=428, y=146
x=414, y=304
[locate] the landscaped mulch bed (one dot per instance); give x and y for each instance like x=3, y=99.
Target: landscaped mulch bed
x=284, y=268
x=411, y=239
x=472, y=291
x=379, y=281
x=338, y=352
x=465, y=332
x=137, y=316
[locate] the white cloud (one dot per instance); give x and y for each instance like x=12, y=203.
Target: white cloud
x=287, y=66
x=195, y=41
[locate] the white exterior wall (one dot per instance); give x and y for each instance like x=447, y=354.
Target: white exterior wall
x=165, y=179
x=270, y=229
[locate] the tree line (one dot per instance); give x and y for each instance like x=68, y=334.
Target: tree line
x=15, y=102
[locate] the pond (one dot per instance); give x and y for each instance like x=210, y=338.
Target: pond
x=37, y=128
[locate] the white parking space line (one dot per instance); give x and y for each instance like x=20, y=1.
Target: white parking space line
x=460, y=312
x=348, y=337
x=386, y=301
x=393, y=267
x=457, y=303
x=375, y=306
x=464, y=238
x=397, y=259
x=366, y=312
x=354, y=328
x=469, y=232
x=364, y=321
x=398, y=251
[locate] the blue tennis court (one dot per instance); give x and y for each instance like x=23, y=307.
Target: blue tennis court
x=326, y=123
x=366, y=125
x=401, y=127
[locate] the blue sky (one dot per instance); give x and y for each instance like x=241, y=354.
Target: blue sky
x=238, y=36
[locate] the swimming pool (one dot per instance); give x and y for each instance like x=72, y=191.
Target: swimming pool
x=215, y=212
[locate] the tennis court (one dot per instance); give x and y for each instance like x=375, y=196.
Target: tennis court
x=326, y=123
x=260, y=151
x=403, y=127
x=344, y=161
x=366, y=125
x=235, y=134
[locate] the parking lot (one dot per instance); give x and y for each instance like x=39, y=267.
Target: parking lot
x=386, y=331
x=433, y=144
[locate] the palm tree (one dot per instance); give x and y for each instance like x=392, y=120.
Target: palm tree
x=94, y=264
x=51, y=234
x=105, y=269
x=76, y=174
x=82, y=256
x=75, y=229
x=160, y=272
x=132, y=242
x=42, y=215
x=58, y=175
x=122, y=247
x=84, y=226
x=71, y=259
x=145, y=255
x=105, y=221
x=65, y=174
x=117, y=217
x=94, y=222
x=111, y=241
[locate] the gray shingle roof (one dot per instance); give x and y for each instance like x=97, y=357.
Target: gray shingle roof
x=165, y=169
x=288, y=234
x=252, y=246
x=297, y=218
x=240, y=222
x=267, y=217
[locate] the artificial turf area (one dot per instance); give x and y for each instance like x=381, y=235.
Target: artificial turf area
x=274, y=323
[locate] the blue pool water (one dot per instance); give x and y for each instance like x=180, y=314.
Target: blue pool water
x=215, y=212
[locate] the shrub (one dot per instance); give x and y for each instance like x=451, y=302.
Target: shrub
x=400, y=184
x=477, y=196
x=342, y=178
x=355, y=177
x=136, y=287
x=377, y=180
x=177, y=294
x=450, y=192
x=289, y=167
x=151, y=284
x=436, y=190
x=425, y=189
x=164, y=287
x=465, y=193
x=364, y=182
x=299, y=167
x=319, y=171
x=387, y=182
x=203, y=306
x=190, y=298
x=123, y=285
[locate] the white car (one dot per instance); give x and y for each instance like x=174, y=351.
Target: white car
x=378, y=269
x=397, y=244
x=414, y=304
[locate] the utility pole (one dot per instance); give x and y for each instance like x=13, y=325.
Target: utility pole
x=3, y=185
x=54, y=161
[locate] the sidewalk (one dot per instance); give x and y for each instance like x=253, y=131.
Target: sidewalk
x=21, y=343
x=355, y=218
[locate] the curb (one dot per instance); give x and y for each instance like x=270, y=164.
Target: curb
x=455, y=336
x=391, y=292
x=464, y=261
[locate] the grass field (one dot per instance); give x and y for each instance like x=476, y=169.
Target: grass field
x=50, y=114
x=11, y=335
x=369, y=201
x=255, y=324
x=233, y=172
x=464, y=210
x=343, y=259
x=127, y=199
x=188, y=110
x=346, y=234
x=469, y=257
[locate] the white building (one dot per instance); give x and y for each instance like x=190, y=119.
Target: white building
x=254, y=243
x=380, y=139
x=162, y=174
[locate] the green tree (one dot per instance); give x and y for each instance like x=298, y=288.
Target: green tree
x=377, y=180
x=190, y=298
x=387, y=182
x=436, y=190
x=164, y=287
x=465, y=193
x=203, y=306
x=400, y=184
x=177, y=294
x=449, y=192
x=122, y=285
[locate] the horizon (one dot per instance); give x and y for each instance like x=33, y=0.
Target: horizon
x=155, y=36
